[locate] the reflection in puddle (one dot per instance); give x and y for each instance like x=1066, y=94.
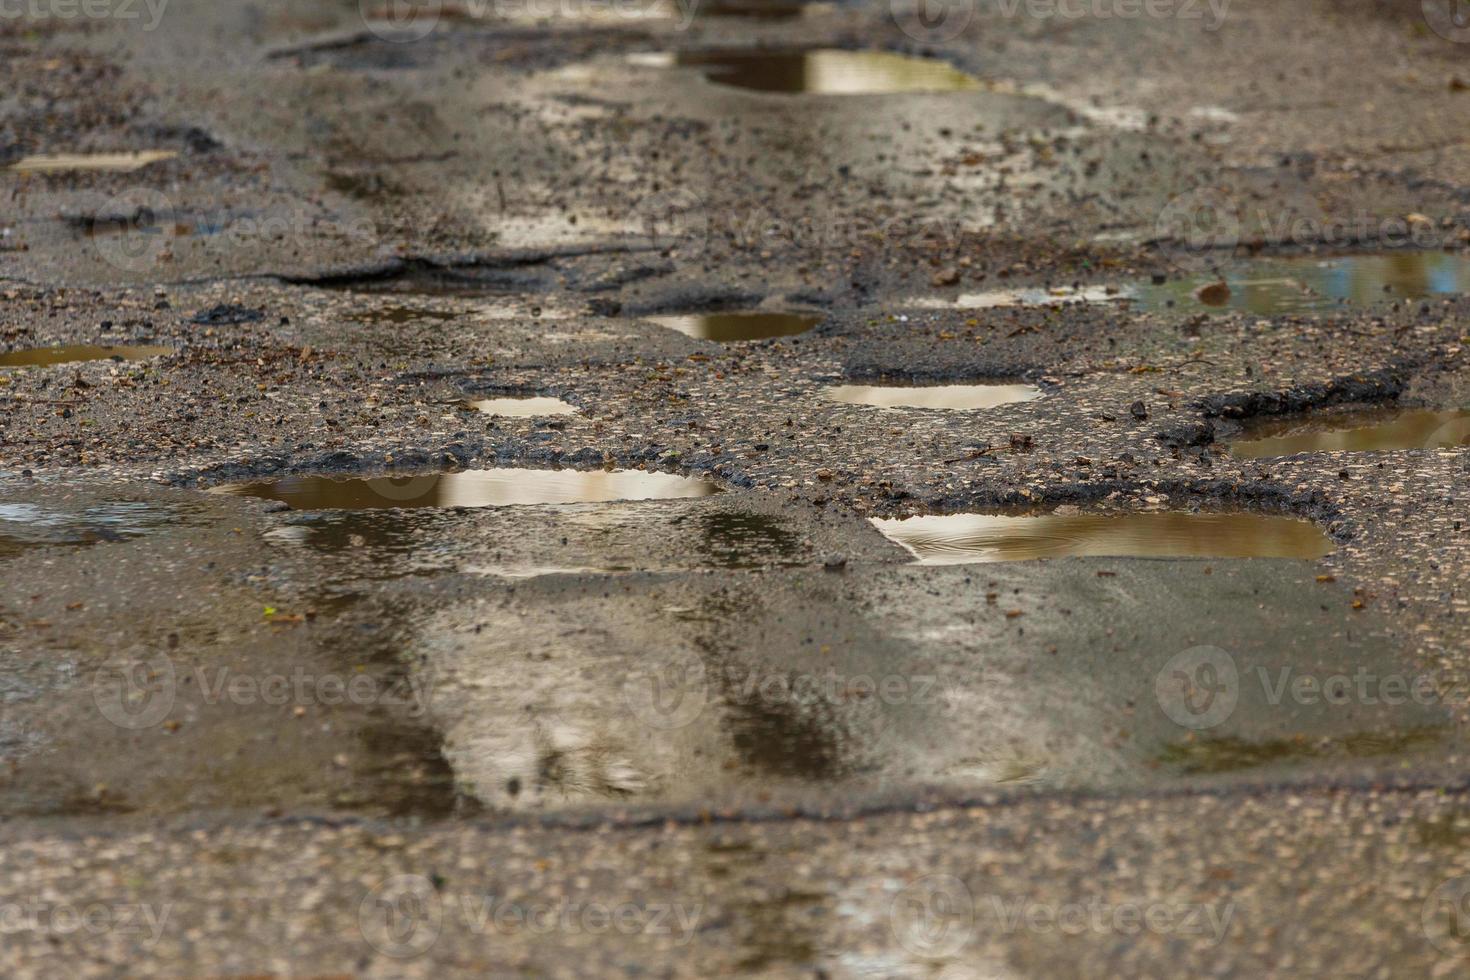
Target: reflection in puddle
x=953, y=397
x=46, y=356
x=114, y=162
x=404, y=314
x=474, y=488
x=1371, y=430
x=522, y=408
x=783, y=737
x=822, y=72
x=962, y=539
x=1312, y=284
x=738, y=540
x=1221, y=754
x=1267, y=286
x=726, y=328
x=1001, y=298
x=26, y=526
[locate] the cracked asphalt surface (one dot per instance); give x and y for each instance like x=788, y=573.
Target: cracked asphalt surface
x=740, y=733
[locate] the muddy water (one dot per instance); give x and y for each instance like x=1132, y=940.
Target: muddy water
x=950, y=397
x=1367, y=430
x=522, y=408
x=474, y=488
x=823, y=72
x=47, y=356
x=729, y=328
x=1314, y=284
x=962, y=539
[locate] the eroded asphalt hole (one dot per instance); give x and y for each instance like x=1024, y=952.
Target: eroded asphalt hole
x=730, y=328
x=1268, y=286
x=961, y=539
x=521, y=408
x=76, y=353
x=474, y=488
x=1313, y=284
x=946, y=397
x=820, y=71
x=1354, y=431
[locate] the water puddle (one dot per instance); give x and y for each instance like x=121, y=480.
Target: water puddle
x=1355, y=431
x=522, y=408
x=1266, y=286
x=820, y=72
x=963, y=539
x=1002, y=298
x=111, y=162
x=950, y=397
x=47, y=356
x=1313, y=284
x=729, y=328
x=474, y=488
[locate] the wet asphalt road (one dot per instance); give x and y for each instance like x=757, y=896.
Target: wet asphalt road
x=740, y=732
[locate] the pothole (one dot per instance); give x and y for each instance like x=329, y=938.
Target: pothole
x=1266, y=286
x=1355, y=431
x=730, y=328
x=474, y=488
x=522, y=408
x=1313, y=284
x=962, y=539
x=820, y=71
x=946, y=397
x=47, y=356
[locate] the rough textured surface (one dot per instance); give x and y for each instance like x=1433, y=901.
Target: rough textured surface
x=359, y=232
